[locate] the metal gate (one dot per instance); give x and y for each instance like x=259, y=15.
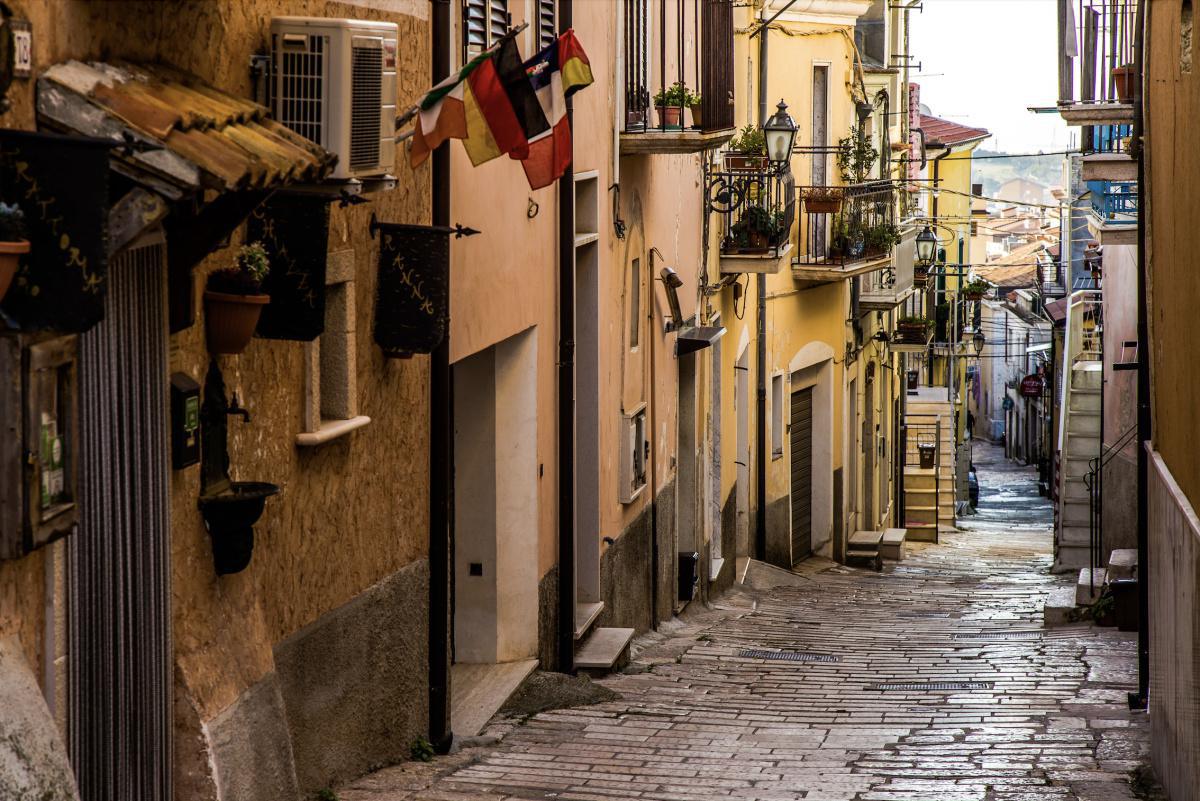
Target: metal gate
x=119, y=560
x=801, y=444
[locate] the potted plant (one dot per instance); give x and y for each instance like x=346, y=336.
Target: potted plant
x=758, y=230
x=882, y=237
x=920, y=274
x=856, y=156
x=747, y=150
x=823, y=199
x=912, y=329
x=695, y=103
x=670, y=103
x=1124, y=78
x=233, y=300
x=976, y=289
x=13, y=243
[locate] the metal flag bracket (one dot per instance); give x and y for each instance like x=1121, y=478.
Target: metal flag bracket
x=459, y=230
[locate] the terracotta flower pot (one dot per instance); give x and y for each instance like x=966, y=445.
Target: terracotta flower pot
x=737, y=162
x=822, y=205
x=670, y=116
x=973, y=295
x=229, y=320
x=10, y=259
x=1124, y=79
x=697, y=116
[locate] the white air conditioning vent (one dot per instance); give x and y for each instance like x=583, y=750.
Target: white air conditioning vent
x=334, y=81
x=631, y=467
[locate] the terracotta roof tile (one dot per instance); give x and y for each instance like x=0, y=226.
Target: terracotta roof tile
x=944, y=133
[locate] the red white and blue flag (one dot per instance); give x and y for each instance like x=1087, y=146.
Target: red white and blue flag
x=557, y=72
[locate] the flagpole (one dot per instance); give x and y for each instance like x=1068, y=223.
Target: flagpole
x=411, y=112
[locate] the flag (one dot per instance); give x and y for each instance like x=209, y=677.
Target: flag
x=488, y=104
x=555, y=73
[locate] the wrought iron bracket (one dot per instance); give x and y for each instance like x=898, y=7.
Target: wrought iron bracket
x=458, y=229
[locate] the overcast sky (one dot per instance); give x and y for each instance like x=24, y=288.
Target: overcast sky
x=984, y=62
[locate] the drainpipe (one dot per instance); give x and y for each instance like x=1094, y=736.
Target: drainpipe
x=1145, y=420
x=441, y=438
x=566, y=397
x=760, y=459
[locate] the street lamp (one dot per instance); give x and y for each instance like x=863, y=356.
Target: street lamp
x=978, y=341
x=780, y=131
x=926, y=247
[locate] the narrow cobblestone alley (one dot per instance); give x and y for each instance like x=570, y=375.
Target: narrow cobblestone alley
x=931, y=681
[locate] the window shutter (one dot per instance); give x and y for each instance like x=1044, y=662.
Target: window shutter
x=475, y=25
x=498, y=20
x=545, y=23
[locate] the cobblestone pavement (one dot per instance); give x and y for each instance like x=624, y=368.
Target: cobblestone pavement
x=708, y=711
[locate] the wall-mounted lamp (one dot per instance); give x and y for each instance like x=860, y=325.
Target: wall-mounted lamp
x=978, y=341
x=780, y=132
x=926, y=247
x=672, y=282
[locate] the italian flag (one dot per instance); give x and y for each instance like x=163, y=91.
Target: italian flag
x=556, y=73
x=489, y=104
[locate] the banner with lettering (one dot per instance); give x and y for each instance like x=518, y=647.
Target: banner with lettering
x=295, y=232
x=412, y=298
x=61, y=183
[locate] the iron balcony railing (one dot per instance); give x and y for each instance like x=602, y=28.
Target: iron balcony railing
x=757, y=207
x=1095, y=46
x=1114, y=202
x=846, y=225
x=1106, y=138
x=670, y=42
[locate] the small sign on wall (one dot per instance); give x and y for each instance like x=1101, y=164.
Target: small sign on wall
x=22, y=37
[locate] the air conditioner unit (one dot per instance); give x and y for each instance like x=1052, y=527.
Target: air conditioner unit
x=631, y=466
x=334, y=81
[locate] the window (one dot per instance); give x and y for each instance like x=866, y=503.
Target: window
x=777, y=416
x=483, y=23
x=331, y=386
x=870, y=34
x=1185, y=37
x=635, y=303
x=545, y=26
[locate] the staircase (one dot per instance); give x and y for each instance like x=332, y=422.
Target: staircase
x=1079, y=433
x=929, y=493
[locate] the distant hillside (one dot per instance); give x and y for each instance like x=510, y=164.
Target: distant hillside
x=992, y=172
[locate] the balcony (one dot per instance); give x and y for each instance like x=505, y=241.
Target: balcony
x=678, y=76
x=886, y=289
x=845, y=231
x=757, y=207
x=1114, y=213
x=1094, y=88
x=1106, y=153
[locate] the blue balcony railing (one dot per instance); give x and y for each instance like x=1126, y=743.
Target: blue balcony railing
x=1107, y=138
x=1115, y=202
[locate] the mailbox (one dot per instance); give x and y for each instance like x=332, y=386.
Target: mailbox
x=39, y=441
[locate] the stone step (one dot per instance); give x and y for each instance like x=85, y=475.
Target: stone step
x=921, y=532
x=1083, y=445
x=1085, y=403
x=1089, y=585
x=1058, y=607
x=1086, y=375
x=1075, y=512
x=892, y=546
x=1075, y=536
x=605, y=650
x=1074, y=489
x=585, y=616
x=1123, y=563
x=1069, y=559
x=1087, y=425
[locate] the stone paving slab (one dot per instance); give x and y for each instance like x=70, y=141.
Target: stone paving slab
x=697, y=721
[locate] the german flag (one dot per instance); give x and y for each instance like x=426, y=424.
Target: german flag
x=489, y=104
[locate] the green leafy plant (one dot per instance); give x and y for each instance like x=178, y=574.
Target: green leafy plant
x=12, y=223
x=750, y=141
x=676, y=94
x=246, y=276
x=421, y=750
x=694, y=100
x=856, y=155
x=976, y=287
x=882, y=237
x=766, y=224
x=914, y=321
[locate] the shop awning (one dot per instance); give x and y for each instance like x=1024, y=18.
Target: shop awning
x=696, y=338
x=181, y=136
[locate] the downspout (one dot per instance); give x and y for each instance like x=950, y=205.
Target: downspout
x=566, y=396
x=441, y=436
x=1145, y=421
x=760, y=458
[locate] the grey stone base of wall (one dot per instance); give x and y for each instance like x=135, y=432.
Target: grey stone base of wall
x=548, y=620
x=625, y=583
x=33, y=761
x=1120, y=504
x=349, y=694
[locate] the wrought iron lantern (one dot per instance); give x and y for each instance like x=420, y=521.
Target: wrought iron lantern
x=926, y=247
x=780, y=131
x=978, y=341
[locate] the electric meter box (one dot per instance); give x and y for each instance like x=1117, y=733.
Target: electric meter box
x=39, y=441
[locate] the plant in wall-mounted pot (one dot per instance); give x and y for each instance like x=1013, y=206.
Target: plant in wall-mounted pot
x=1124, y=79
x=975, y=290
x=696, y=104
x=13, y=243
x=823, y=199
x=747, y=150
x=882, y=237
x=912, y=330
x=233, y=300
x=670, y=103
x=758, y=230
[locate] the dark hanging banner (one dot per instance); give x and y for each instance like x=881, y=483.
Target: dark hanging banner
x=411, y=302
x=61, y=183
x=295, y=232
